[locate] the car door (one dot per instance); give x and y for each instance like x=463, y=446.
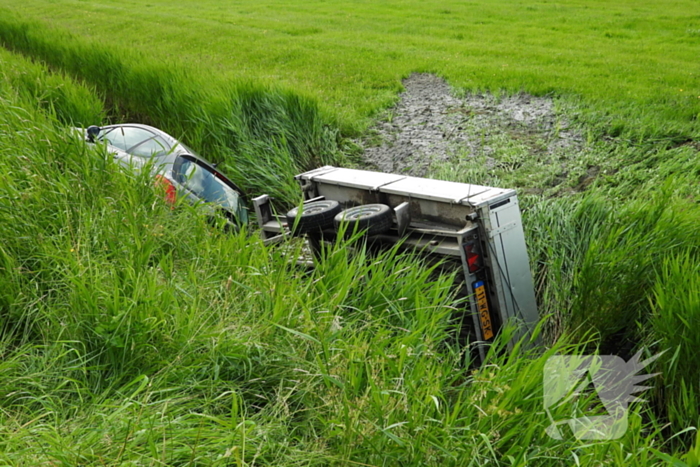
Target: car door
x=204, y=183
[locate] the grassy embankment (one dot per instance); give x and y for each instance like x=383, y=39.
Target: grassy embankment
x=273, y=132
x=133, y=334
x=180, y=344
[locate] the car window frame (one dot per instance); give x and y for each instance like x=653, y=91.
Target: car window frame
x=176, y=170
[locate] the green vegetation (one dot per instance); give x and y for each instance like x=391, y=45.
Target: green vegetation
x=273, y=133
x=133, y=334
x=633, y=60
x=55, y=93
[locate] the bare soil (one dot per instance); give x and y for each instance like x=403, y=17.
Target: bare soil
x=431, y=124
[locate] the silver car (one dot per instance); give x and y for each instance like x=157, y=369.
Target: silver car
x=178, y=169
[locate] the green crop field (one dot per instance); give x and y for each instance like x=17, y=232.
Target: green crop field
x=636, y=58
x=133, y=334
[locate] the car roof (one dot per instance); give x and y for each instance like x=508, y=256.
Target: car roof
x=172, y=146
x=136, y=125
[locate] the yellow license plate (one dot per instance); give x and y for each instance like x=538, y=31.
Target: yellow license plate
x=482, y=306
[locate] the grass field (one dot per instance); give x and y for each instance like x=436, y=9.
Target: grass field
x=632, y=59
x=131, y=334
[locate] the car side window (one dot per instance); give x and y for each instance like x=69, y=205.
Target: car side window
x=204, y=184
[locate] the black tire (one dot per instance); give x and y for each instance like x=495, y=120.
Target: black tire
x=374, y=218
x=314, y=217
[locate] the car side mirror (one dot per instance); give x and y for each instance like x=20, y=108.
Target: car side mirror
x=92, y=132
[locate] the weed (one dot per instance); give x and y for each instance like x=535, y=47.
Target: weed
x=133, y=334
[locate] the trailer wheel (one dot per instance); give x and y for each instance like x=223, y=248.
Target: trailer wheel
x=374, y=218
x=314, y=217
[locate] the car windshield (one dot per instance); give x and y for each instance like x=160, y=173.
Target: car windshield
x=142, y=142
x=205, y=185
x=155, y=146
x=125, y=137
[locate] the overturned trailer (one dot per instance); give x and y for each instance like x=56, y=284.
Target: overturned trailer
x=476, y=228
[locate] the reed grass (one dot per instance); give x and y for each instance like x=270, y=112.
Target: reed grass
x=134, y=334
x=262, y=134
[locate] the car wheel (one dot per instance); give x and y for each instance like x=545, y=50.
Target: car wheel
x=314, y=217
x=374, y=218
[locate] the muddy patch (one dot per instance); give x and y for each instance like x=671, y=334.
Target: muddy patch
x=431, y=125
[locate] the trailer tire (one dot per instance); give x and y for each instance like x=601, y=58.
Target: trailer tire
x=374, y=218
x=314, y=217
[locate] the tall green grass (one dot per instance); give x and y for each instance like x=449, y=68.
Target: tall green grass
x=625, y=273
x=630, y=64
x=673, y=328
x=636, y=114
x=605, y=260
x=72, y=103
x=264, y=135
x=136, y=334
